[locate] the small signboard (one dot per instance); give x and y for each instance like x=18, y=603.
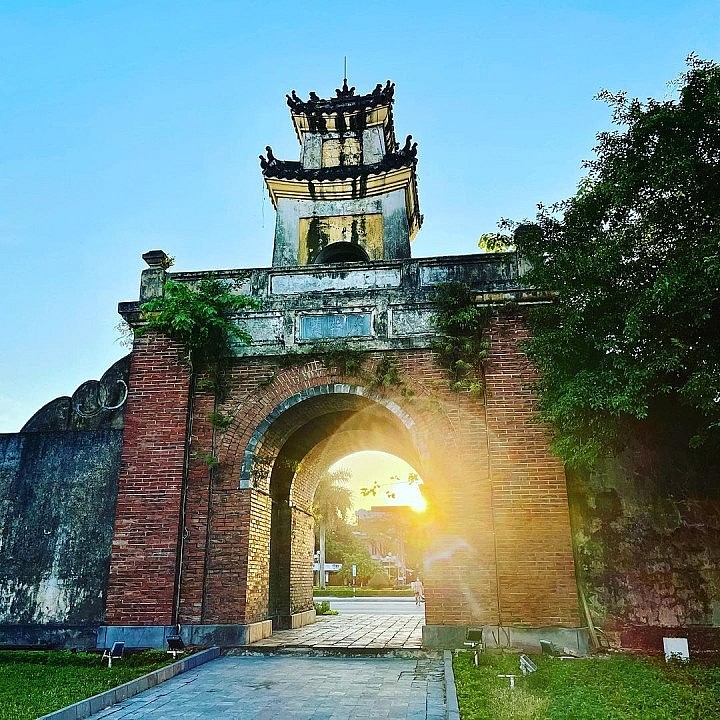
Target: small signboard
x=676, y=649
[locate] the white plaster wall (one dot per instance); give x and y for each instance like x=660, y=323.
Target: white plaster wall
x=327, y=281
x=373, y=145
x=396, y=240
x=311, y=156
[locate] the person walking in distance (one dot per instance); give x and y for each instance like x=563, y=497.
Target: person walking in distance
x=419, y=590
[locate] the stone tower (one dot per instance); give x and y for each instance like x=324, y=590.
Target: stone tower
x=352, y=196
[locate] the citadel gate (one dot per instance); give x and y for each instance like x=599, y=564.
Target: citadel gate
x=214, y=530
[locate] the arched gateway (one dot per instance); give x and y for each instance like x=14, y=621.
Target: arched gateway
x=214, y=530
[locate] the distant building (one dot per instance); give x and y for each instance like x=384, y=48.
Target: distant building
x=385, y=529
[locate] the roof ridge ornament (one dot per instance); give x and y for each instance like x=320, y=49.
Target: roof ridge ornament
x=345, y=91
x=346, y=97
x=270, y=161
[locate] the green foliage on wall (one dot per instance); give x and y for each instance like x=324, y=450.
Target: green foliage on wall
x=199, y=316
x=341, y=355
x=387, y=373
x=461, y=344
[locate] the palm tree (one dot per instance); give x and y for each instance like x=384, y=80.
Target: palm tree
x=332, y=502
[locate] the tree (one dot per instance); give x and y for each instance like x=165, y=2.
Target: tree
x=345, y=547
x=633, y=262
x=332, y=502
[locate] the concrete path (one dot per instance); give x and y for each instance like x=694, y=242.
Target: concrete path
x=295, y=688
x=377, y=671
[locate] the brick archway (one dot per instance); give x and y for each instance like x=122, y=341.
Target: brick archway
x=289, y=448
x=316, y=401
x=500, y=551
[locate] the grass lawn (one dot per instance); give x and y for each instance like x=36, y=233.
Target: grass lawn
x=620, y=687
x=33, y=683
x=342, y=591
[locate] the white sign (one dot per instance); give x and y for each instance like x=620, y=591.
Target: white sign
x=676, y=649
x=329, y=567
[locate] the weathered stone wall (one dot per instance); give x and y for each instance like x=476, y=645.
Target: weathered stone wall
x=58, y=486
x=646, y=528
x=57, y=503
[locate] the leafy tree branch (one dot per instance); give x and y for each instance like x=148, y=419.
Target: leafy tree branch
x=632, y=259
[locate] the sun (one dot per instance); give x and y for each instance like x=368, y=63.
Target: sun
x=388, y=474
x=408, y=494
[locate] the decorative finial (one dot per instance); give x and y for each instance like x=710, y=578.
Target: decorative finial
x=345, y=91
x=293, y=100
x=389, y=90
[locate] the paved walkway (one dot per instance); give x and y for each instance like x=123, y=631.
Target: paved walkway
x=352, y=632
x=288, y=676
x=264, y=687
x=375, y=605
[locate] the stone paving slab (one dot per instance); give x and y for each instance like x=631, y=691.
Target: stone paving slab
x=261, y=687
x=387, y=632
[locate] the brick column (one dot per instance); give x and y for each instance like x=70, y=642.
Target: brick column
x=536, y=570
x=143, y=563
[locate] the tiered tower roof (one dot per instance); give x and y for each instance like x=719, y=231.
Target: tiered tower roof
x=351, y=172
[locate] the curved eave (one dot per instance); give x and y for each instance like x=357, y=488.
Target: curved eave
x=305, y=122
x=340, y=189
x=352, y=188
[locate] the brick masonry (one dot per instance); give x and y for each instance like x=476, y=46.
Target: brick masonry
x=500, y=550
x=143, y=565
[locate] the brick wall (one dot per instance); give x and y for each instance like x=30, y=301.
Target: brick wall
x=197, y=507
x=535, y=562
x=145, y=542
x=514, y=527
x=500, y=541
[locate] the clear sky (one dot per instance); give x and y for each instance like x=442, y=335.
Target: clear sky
x=128, y=126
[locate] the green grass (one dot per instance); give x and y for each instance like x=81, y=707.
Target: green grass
x=34, y=683
x=344, y=591
x=323, y=608
x=616, y=688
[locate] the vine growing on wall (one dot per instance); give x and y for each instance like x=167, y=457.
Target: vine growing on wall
x=461, y=343
x=348, y=361
x=200, y=317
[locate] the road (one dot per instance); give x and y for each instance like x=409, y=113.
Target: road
x=374, y=606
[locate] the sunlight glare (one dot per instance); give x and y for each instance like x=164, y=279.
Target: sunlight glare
x=371, y=467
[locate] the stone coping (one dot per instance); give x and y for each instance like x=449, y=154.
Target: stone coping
x=96, y=703
x=452, y=711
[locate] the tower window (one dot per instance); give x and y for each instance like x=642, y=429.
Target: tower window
x=341, y=252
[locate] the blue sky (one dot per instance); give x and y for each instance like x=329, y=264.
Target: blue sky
x=129, y=126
